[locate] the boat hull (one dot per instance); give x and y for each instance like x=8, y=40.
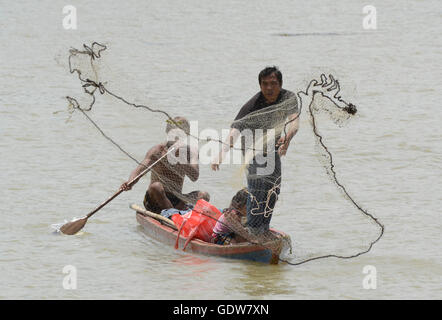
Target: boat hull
x=244, y=251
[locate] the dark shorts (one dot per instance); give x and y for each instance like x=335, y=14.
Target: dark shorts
x=189, y=198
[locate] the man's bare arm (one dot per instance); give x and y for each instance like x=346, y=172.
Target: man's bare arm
x=291, y=130
x=151, y=156
x=293, y=125
x=191, y=168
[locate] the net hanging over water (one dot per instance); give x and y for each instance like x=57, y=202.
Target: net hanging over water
x=256, y=138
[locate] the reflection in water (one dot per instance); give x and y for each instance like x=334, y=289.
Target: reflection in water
x=190, y=260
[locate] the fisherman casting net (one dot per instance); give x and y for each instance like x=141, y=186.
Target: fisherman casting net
x=259, y=138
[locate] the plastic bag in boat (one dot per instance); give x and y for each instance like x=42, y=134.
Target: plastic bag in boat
x=197, y=223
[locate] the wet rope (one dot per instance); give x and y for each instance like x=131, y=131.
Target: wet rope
x=91, y=86
x=351, y=109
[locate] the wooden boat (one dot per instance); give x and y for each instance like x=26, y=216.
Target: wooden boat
x=164, y=230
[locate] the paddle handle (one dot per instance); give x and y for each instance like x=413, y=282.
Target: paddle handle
x=116, y=194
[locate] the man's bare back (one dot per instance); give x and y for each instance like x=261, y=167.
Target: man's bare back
x=171, y=175
x=167, y=177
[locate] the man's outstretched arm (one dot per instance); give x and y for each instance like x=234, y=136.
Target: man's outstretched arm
x=291, y=129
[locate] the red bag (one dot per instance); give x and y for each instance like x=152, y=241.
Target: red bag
x=197, y=223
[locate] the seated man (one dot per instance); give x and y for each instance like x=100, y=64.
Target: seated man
x=222, y=232
x=167, y=179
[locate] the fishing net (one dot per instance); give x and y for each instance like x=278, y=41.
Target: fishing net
x=256, y=142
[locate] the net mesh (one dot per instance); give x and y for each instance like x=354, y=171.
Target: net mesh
x=256, y=140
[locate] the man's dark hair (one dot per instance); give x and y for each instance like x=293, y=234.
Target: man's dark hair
x=269, y=71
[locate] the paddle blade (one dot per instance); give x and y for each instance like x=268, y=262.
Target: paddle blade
x=73, y=227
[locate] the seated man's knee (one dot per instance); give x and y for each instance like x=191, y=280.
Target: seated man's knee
x=156, y=188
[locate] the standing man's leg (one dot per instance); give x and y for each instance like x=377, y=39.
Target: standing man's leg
x=263, y=194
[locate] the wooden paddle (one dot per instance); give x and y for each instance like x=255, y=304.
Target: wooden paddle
x=73, y=227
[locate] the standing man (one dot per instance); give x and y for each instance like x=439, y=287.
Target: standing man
x=270, y=112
